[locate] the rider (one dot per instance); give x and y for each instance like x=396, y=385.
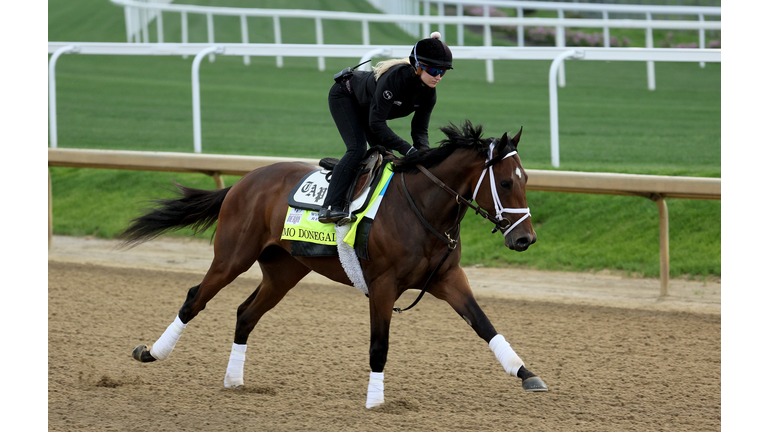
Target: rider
x=361, y=103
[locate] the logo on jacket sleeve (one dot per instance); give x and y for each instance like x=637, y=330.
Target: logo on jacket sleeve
x=387, y=94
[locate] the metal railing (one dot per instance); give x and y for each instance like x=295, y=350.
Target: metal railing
x=556, y=55
x=603, y=10
x=560, y=23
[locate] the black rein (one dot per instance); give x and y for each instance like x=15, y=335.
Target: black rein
x=452, y=243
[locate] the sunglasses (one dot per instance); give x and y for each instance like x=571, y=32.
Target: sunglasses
x=433, y=71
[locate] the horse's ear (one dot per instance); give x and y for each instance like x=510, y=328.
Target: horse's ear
x=516, y=138
x=503, y=143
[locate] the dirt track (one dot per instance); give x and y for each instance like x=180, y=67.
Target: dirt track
x=613, y=355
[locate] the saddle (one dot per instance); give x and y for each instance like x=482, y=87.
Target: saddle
x=310, y=192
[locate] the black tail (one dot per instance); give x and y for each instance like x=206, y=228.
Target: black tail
x=196, y=208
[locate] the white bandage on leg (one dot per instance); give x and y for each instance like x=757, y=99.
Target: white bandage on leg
x=163, y=347
x=375, y=390
x=234, y=377
x=506, y=355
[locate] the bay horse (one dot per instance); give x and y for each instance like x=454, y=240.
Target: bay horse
x=409, y=243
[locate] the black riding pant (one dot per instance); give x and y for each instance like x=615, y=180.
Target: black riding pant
x=351, y=122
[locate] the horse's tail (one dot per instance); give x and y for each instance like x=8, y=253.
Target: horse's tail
x=196, y=208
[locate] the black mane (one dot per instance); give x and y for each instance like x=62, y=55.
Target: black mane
x=467, y=137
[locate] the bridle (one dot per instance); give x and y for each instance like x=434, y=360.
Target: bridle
x=502, y=223
x=500, y=210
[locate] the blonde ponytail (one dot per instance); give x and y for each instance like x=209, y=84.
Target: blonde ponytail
x=384, y=66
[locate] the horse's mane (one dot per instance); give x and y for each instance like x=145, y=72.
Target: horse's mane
x=467, y=137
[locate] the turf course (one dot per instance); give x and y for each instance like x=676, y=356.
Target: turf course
x=609, y=122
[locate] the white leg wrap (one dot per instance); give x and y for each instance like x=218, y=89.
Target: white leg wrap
x=163, y=347
x=234, y=377
x=506, y=355
x=375, y=390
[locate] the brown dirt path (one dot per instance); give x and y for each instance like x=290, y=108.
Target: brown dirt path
x=615, y=357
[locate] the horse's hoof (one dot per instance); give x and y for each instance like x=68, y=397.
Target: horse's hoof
x=141, y=353
x=534, y=384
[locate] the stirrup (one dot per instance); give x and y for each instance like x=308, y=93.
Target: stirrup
x=345, y=220
x=331, y=216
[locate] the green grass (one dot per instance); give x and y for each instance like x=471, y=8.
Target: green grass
x=609, y=122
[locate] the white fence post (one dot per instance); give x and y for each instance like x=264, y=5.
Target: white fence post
x=196, y=128
x=319, y=36
x=52, y=124
x=560, y=42
x=184, y=29
x=244, y=34
x=441, y=13
x=143, y=13
x=554, y=128
x=278, y=37
x=366, y=33
x=209, y=25
x=487, y=42
x=460, y=27
x=650, y=64
x=160, y=32
x=128, y=23
x=701, y=37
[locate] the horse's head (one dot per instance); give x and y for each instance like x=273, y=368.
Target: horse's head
x=501, y=191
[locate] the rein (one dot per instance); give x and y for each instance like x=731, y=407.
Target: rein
x=452, y=243
x=461, y=200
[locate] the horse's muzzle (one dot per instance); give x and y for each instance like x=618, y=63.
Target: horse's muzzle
x=520, y=242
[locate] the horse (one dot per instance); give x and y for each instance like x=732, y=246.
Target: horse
x=413, y=242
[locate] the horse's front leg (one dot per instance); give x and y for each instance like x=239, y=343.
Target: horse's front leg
x=381, y=299
x=453, y=287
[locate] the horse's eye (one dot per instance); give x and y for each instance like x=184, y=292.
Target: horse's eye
x=506, y=184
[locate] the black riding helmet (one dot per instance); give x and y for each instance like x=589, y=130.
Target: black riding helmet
x=433, y=52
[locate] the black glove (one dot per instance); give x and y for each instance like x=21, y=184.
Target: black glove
x=411, y=151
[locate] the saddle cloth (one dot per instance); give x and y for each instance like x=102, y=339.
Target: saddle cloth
x=310, y=192
x=309, y=237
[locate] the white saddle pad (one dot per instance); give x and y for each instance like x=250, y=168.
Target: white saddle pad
x=310, y=193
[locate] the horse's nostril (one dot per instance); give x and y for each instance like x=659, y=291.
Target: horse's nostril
x=523, y=242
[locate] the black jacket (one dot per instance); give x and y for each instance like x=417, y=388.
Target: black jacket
x=398, y=93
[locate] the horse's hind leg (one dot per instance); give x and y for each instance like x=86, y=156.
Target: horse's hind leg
x=230, y=260
x=281, y=272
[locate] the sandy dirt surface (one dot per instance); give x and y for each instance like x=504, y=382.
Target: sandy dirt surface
x=615, y=356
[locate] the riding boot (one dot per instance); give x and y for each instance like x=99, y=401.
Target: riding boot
x=333, y=207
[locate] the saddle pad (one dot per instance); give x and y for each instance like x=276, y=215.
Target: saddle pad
x=310, y=193
x=302, y=225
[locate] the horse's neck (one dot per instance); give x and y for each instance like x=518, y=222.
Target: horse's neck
x=441, y=208
x=459, y=170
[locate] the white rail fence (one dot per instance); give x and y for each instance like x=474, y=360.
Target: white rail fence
x=362, y=52
x=604, y=10
x=427, y=21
